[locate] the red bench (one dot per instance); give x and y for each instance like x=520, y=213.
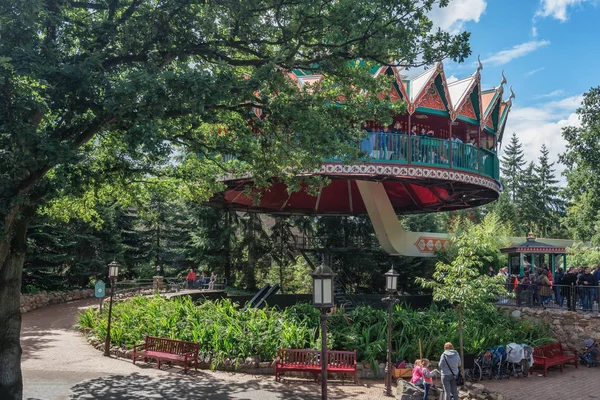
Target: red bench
x=553, y=354
x=342, y=362
x=168, y=350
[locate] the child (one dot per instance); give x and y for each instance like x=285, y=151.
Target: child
x=427, y=381
x=417, y=377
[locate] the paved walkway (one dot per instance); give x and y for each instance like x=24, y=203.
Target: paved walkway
x=58, y=364
x=573, y=384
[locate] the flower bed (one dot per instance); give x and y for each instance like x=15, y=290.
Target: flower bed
x=228, y=335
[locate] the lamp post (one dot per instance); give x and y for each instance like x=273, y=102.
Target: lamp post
x=323, y=299
x=113, y=273
x=391, y=283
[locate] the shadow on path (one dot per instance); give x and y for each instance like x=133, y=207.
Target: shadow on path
x=137, y=386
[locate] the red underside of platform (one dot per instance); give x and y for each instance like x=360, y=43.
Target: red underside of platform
x=340, y=196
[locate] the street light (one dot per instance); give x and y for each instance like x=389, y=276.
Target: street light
x=323, y=299
x=113, y=273
x=391, y=284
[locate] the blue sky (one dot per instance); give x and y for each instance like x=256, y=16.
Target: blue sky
x=549, y=52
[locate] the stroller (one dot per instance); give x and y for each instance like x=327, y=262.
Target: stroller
x=499, y=362
x=519, y=358
x=589, y=353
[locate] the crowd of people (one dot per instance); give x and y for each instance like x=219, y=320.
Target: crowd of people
x=391, y=143
x=541, y=287
x=202, y=281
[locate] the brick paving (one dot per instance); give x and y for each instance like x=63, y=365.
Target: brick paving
x=573, y=384
x=59, y=364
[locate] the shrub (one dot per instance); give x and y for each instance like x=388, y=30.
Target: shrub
x=224, y=331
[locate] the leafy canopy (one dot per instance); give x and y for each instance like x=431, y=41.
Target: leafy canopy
x=105, y=100
x=461, y=281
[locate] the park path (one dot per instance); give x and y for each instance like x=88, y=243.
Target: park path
x=58, y=363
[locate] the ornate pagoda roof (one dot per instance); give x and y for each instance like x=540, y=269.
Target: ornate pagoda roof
x=463, y=99
x=533, y=246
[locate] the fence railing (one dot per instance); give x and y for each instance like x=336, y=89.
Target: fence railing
x=573, y=297
x=427, y=150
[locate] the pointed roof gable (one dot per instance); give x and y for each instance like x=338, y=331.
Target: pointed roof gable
x=459, y=90
x=420, y=83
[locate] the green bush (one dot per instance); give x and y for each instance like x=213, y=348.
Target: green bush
x=225, y=331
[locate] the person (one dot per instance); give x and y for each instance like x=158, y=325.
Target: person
x=202, y=280
x=190, y=278
x=596, y=274
x=449, y=363
x=417, y=376
x=587, y=282
x=427, y=377
x=568, y=285
x=491, y=271
x=558, y=279
x=543, y=288
x=213, y=281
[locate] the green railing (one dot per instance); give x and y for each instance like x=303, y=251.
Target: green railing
x=425, y=150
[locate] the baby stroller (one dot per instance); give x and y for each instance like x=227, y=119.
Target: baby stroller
x=589, y=353
x=487, y=366
x=519, y=358
x=499, y=362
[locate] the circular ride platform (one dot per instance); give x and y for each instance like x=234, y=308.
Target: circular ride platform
x=440, y=155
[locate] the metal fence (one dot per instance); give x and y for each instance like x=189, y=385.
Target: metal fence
x=574, y=297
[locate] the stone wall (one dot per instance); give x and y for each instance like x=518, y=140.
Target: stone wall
x=569, y=327
x=30, y=302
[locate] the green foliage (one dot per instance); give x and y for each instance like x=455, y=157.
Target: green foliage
x=224, y=331
x=484, y=240
x=582, y=156
x=581, y=255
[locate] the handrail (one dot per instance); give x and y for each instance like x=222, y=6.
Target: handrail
x=428, y=150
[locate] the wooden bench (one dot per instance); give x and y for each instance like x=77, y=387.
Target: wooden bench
x=338, y=362
x=553, y=354
x=168, y=350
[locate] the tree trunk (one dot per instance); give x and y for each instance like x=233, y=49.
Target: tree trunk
x=460, y=341
x=228, y=249
x=11, y=269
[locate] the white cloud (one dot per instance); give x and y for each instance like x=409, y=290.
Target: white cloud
x=543, y=123
x=520, y=50
x=557, y=8
x=451, y=79
x=554, y=93
x=453, y=17
x=533, y=71
x=534, y=31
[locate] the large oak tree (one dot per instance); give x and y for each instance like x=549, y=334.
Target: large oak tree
x=100, y=99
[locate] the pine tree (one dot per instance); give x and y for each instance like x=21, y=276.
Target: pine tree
x=513, y=162
x=552, y=205
x=528, y=203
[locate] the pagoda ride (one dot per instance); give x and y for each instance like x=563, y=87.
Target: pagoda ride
x=440, y=155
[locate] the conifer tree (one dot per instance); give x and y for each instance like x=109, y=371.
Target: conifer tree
x=528, y=202
x=512, y=165
x=552, y=206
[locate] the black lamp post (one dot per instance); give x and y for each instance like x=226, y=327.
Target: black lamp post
x=391, y=283
x=323, y=299
x=113, y=273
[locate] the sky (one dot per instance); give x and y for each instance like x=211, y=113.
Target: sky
x=549, y=51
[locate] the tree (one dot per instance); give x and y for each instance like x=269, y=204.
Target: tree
x=461, y=282
x=552, y=205
x=99, y=98
x=529, y=204
x=513, y=162
x=582, y=156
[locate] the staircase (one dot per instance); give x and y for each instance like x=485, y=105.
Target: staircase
x=339, y=291
x=339, y=286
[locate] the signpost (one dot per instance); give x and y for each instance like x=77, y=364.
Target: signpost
x=100, y=292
